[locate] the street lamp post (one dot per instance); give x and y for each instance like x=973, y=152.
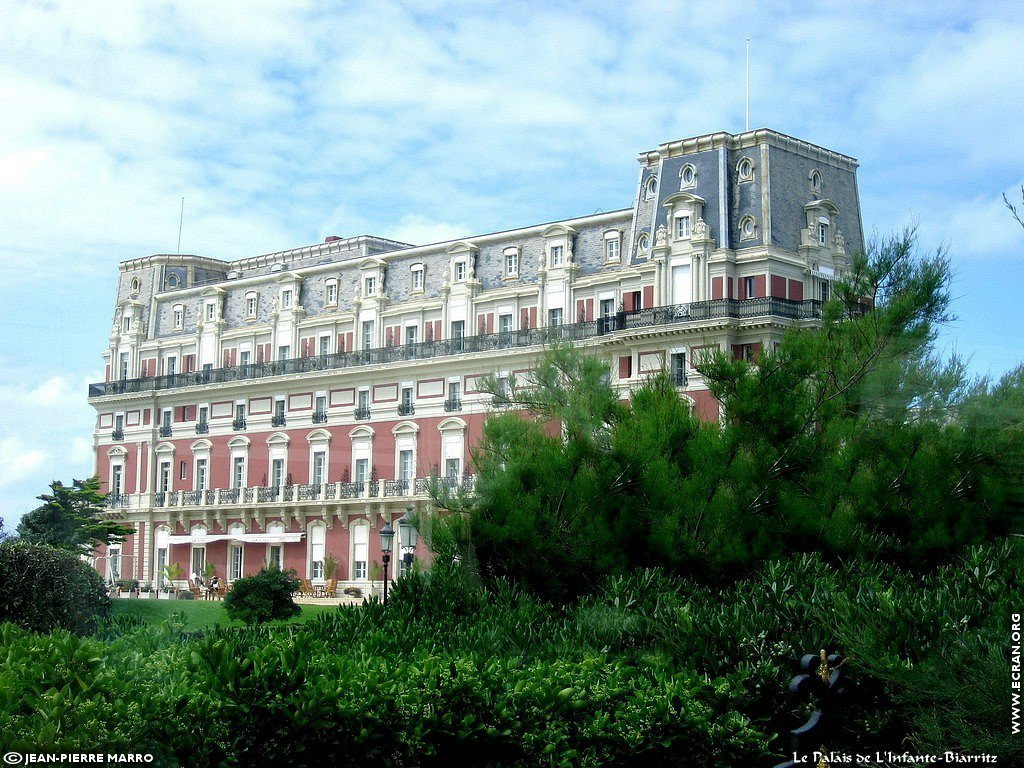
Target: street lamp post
x=387, y=539
x=407, y=536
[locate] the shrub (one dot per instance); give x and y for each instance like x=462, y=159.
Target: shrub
x=264, y=597
x=46, y=589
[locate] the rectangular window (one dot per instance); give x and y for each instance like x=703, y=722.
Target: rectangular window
x=317, y=550
x=678, y=371
x=279, y=409
x=238, y=472
x=555, y=317
x=325, y=346
x=276, y=556
x=179, y=317
x=211, y=311
x=183, y=470
x=124, y=365
x=362, y=470
x=201, y=474
x=460, y=271
x=332, y=293
x=321, y=404
x=119, y=423
x=822, y=234
x=611, y=249
x=364, y=400
x=825, y=290
x=276, y=473
x=250, y=306
x=412, y=334
x=127, y=324
x=454, y=391
x=683, y=226
x=318, y=473
x=161, y=564
x=240, y=413
x=235, y=559
x=368, y=335
x=286, y=299
x=165, y=418
x=417, y=279
x=203, y=414
x=198, y=561
x=116, y=474
x=557, y=255
x=165, y=477
x=284, y=352
x=171, y=366
x=512, y=263
x=458, y=335
x=243, y=357
x=452, y=468
x=360, y=551
x=405, y=408
x=406, y=468
x=750, y=287
x=369, y=286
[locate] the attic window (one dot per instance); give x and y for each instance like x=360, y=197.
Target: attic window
x=748, y=228
x=687, y=177
x=416, y=277
x=815, y=179
x=136, y=285
x=745, y=170
x=172, y=282
x=651, y=187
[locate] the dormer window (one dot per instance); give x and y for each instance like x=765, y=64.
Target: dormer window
x=179, y=316
x=683, y=229
x=251, y=303
x=557, y=255
x=511, y=262
x=286, y=298
x=745, y=170
x=748, y=228
x=687, y=177
x=136, y=285
x=211, y=310
x=416, y=277
x=651, y=188
x=815, y=179
x=172, y=282
x=612, y=245
x=331, y=292
x=370, y=286
x=823, y=231
x=460, y=271
x=643, y=243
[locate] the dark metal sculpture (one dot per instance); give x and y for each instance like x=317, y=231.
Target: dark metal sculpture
x=822, y=681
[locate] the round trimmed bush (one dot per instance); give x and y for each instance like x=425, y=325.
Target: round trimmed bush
x=264, y=597
x=46, y=589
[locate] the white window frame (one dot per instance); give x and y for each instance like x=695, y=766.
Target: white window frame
x=459, y=271
x=331, y=292
x=287, y=297
x=612, y=246
x=211, y=311
x=369, y=285
x=417, y=278
x=511, y=266
x=683, y=228
x=252, y=303
x=360, y=569
x=179, y=316
x=556, y=254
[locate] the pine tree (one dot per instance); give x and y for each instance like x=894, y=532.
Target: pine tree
x=72, y=518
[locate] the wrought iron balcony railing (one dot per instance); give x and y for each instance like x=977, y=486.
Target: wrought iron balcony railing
x=117, y=500
x=278, y=420
x=202, y=428
x=406, y=409
x=238, y=425
x=319, y=417
x=117, y=434
x=453, y=404
x=361, y=414
x=643, y=318
x=166, y=430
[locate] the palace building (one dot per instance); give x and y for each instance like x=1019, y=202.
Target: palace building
x=284, y=407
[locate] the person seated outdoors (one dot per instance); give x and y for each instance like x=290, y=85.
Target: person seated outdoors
x=212, y=587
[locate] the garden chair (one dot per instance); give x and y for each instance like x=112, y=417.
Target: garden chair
x=330, y=588
x=306, y=588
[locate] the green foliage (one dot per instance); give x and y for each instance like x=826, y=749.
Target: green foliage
x=46, y=589
x=650, y=670
x=330, y=566
x=853, y=440
x=72, y=518
x=264, y=597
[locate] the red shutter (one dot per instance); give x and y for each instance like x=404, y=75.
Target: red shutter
x=730, y=287
x=524, y=319
x=107, y=373
x=742, y=292
x=533, y=317
x=145, y=417
x=778, y=287
x=760, y=286
x=648, y=296
x=796, y=290
x=590, y=309
x=716, y=288
x=755, y=350
x=737, y=351
x=234, y=356
x=227, y=358
x=625, y=367
x=398, y=334
x=490, y=322
x=341, y=342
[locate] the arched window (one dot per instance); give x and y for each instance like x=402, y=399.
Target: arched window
x=748, y=228
x=745, y=169
x=815, y=179
x=643, y=244
x=651, y=188
x=687, y=177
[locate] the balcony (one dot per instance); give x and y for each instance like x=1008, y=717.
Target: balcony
x=118, y=500
x=361, y=414
x=238, y=425
x=677, y=314
x=406, y=409
x=203, y=428
x=278, y=420
x=452, y=404
x=166, y=430
x=319, y=417
x=679, y=378
x=117, y=434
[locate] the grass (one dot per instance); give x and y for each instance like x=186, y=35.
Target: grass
x=199, y=614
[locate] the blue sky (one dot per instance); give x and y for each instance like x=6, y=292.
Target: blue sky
x=281, y=123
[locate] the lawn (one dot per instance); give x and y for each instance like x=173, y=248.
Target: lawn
x=199, y=614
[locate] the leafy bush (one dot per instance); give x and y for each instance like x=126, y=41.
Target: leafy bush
x=46, y=589
x=264, y=597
